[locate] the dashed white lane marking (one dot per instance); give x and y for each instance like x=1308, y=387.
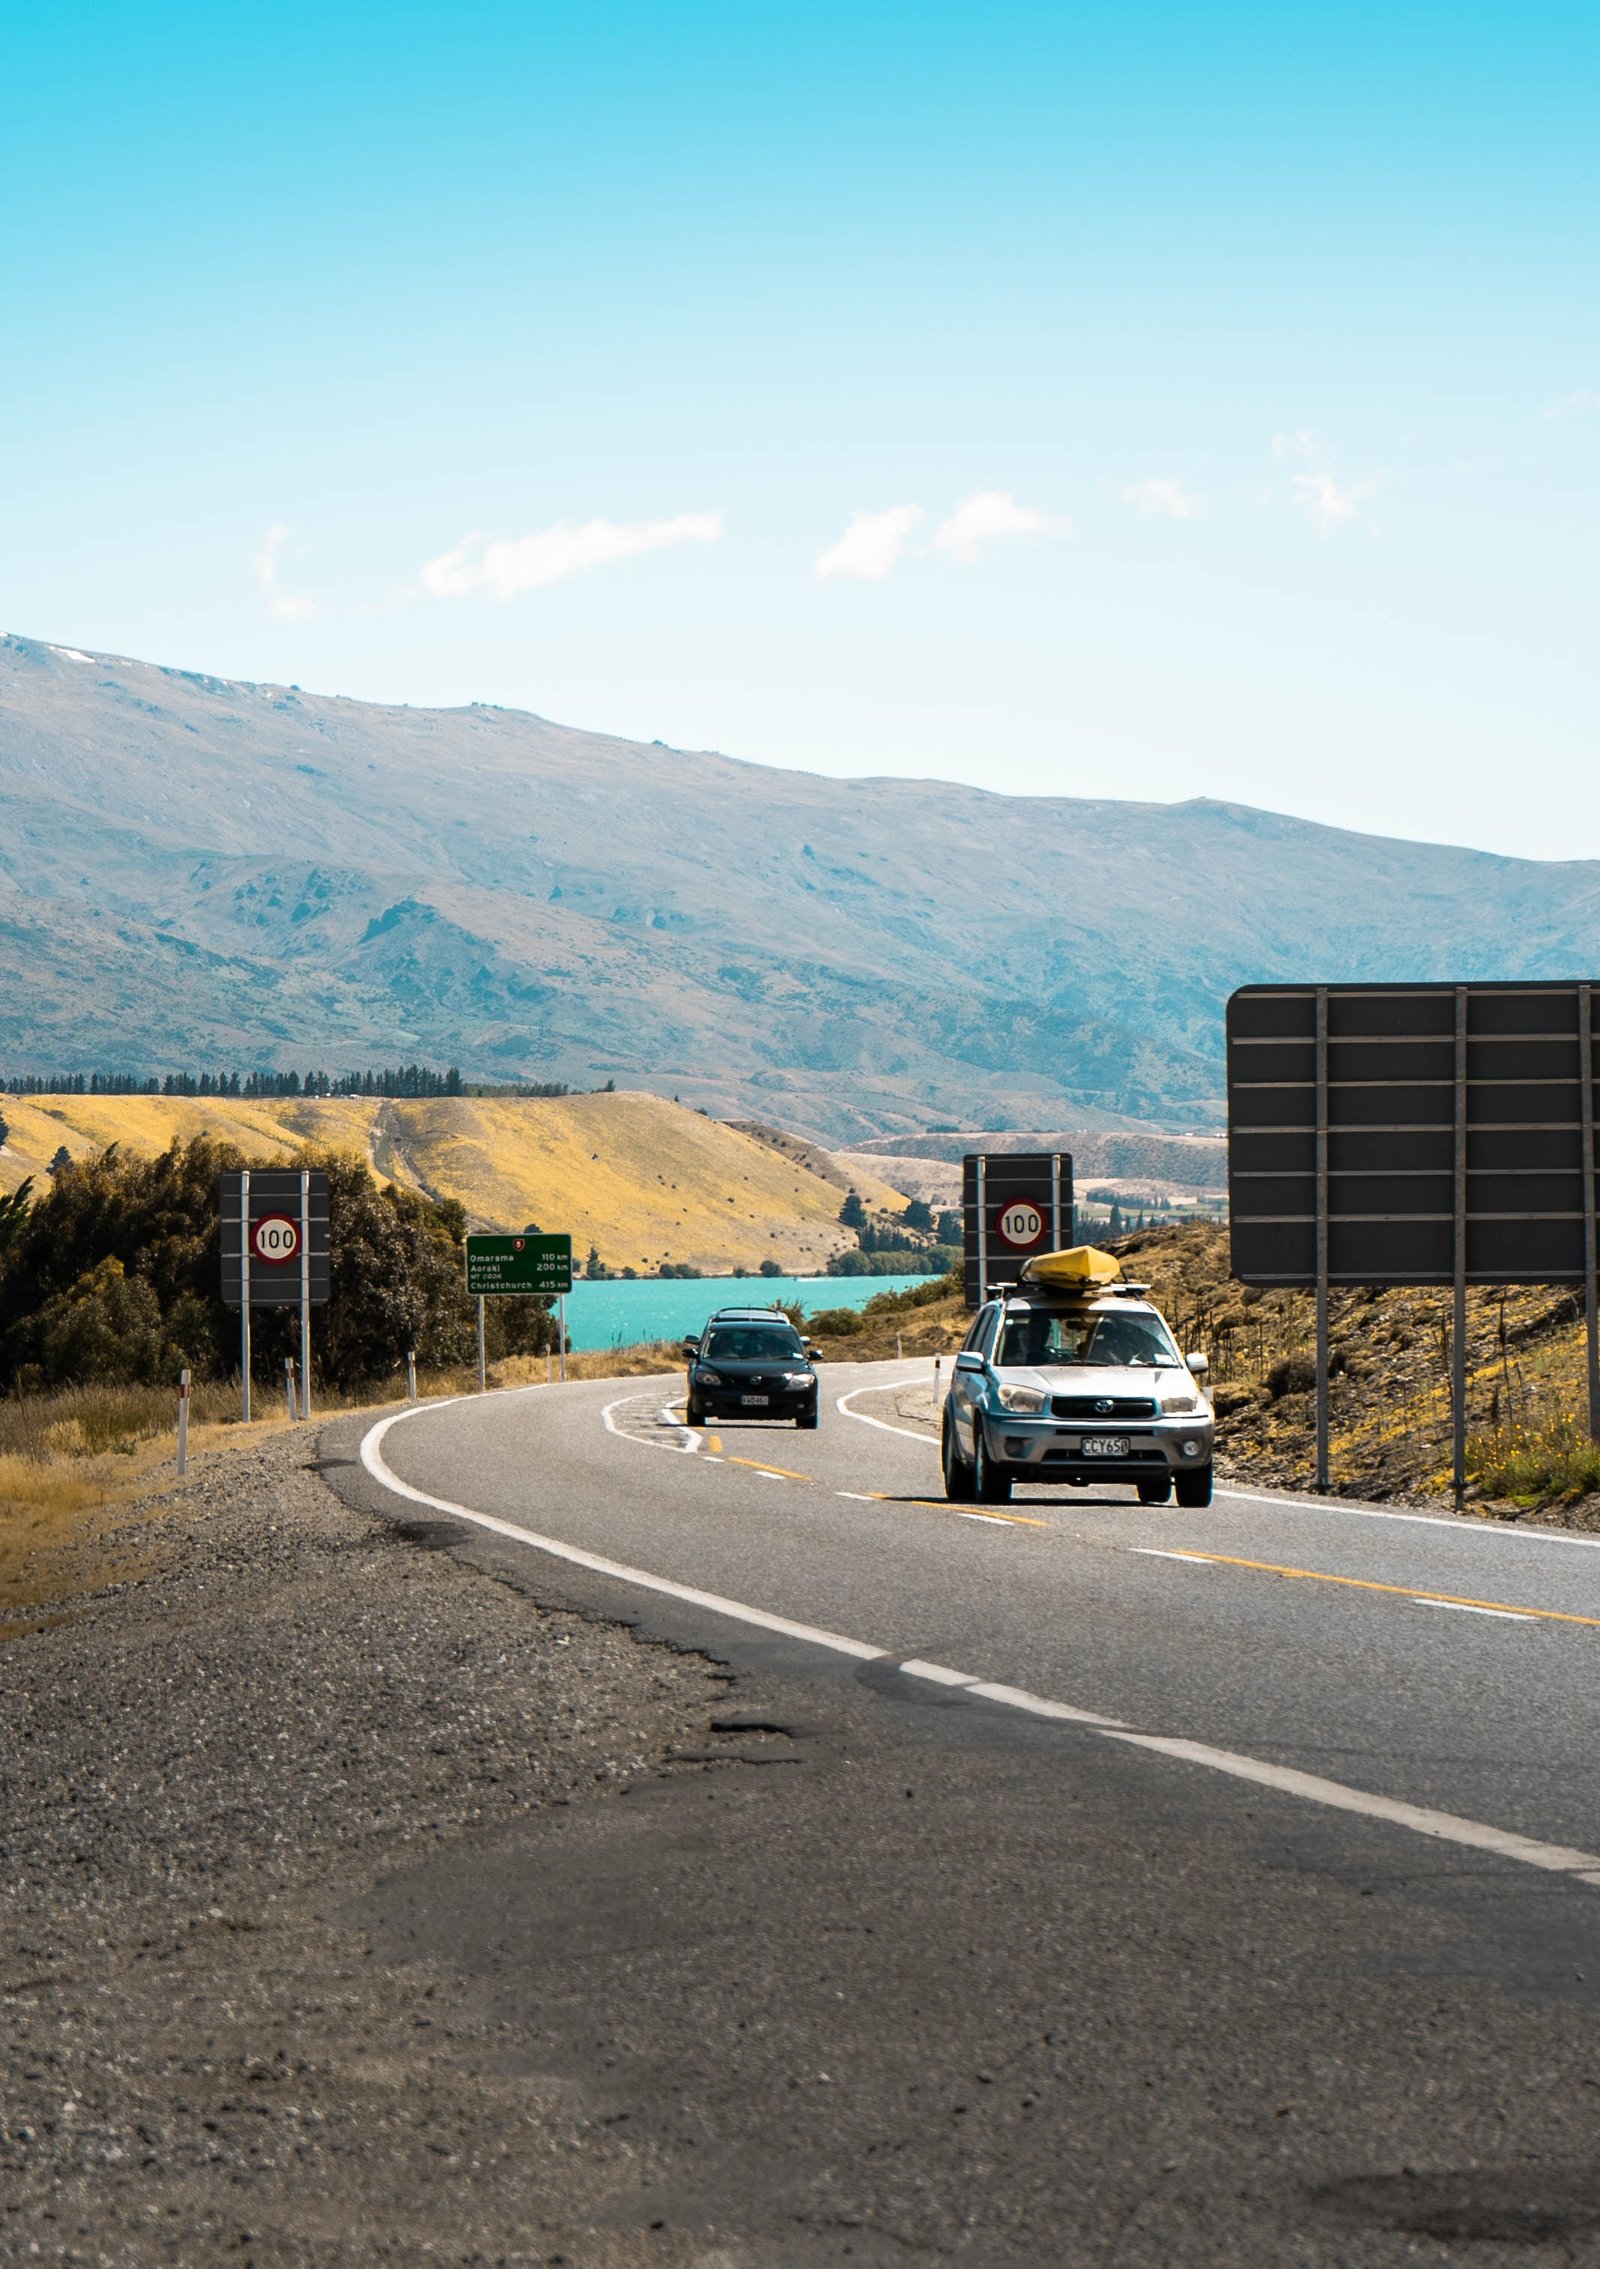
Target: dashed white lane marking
x=1443, y=1827
x=990, y=1520
x=1460, y=1607
x=1154, y=1552
x=856, y=1496
x=762, y=1474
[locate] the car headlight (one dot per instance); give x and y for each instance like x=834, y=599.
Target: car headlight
x=1022, y=1398
x=798, y=1378
x=706, y=1377
x=1173, y=1405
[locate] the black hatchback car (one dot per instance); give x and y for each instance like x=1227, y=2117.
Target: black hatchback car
x=751, y=1366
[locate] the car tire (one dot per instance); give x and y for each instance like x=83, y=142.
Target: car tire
x=694, y=1415
x=958, y=1476
x=989, y=1487
x=1155, y=1492
x=807, y=1420
x=1194, y=1489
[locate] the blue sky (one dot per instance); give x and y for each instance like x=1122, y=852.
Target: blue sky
x=1091, y=401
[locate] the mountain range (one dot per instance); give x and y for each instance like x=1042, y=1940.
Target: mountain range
x=201, y=871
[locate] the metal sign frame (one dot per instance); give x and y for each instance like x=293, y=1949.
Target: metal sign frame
x=991, y=1181
x=1415, y=1134
x=248, y=1196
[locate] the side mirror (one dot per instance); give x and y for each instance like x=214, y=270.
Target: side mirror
x=691, y=1348
x=969, y=1362
x=1198, y=1364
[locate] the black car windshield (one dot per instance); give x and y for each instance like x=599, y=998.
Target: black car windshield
x=751, y=1343
x=1038, y=1337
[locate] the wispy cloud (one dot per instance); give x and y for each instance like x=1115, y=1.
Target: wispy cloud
x=507, y=566
x=1302, y=442
x=1331, y=503
x=1164, y=500
x=870, y=545
x=986, y=517
x=265, y=563
x=1574, y=405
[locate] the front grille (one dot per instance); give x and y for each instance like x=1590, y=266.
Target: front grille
x=1104, y=1407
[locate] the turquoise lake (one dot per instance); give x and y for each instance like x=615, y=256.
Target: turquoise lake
x=613, y=1314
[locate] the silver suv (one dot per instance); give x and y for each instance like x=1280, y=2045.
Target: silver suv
x=1080, y=1391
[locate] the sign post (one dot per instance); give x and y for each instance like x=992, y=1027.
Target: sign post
x=1429, y=1134
x=507, y=1267
x=275, y=1254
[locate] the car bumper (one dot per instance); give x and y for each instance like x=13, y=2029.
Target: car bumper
x=1048, y=1449
x=726, y=1402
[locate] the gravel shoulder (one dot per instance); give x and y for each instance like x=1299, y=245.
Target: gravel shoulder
x=200, y=1773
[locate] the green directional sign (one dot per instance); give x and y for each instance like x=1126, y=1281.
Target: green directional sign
x=519, y=1264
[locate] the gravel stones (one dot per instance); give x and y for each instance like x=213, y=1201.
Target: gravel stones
x=200, y=1773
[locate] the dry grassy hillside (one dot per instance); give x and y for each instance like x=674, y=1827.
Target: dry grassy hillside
x=642, y=1179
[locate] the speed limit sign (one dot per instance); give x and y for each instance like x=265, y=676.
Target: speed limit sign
x=1021, y=1224
x=275, y=1238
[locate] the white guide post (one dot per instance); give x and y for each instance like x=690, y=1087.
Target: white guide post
x=183, y=1424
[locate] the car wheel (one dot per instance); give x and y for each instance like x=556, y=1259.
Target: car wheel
x=1155, y=1492
x=694, y=1415
x=958, y=1476
x=1194, y=1488
x=988, y=1486
x=807, y=1420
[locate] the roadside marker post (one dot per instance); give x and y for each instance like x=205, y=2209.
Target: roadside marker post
x=288, y=1389
x=411, y=1374
x=183, y=1424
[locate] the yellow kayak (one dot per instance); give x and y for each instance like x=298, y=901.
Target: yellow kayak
x=1081, y=1268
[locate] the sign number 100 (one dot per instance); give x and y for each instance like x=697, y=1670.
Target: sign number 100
x=275, y=1238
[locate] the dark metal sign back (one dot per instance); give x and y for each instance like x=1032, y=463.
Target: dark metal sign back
x=1414, y=1134
x=1014, y=1204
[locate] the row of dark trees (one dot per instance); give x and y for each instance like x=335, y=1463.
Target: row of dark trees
x=404, y=1081
x=114, y=1274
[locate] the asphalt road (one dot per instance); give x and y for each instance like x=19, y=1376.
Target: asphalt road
x=1142, y=1886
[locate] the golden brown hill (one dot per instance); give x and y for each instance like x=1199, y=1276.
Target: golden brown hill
x=643, y=1180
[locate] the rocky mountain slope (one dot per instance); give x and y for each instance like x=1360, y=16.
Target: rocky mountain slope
x=196, y=870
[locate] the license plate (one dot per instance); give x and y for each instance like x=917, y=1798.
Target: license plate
x=1105, y=1445
x=755, y=1401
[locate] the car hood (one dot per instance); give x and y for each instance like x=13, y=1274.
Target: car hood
x=1108, y=1381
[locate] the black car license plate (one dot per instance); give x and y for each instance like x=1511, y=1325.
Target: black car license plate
x=1105, y=1445
x=755, y=1401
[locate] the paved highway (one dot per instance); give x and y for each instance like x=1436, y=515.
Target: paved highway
x=1258, y=1846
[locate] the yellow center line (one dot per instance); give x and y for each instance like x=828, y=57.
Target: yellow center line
x=760, y=1465
x=941, y=1505
x=1400, y=1591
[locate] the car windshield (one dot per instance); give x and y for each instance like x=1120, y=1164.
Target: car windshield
x=751, y=1343
x=1037, y=1337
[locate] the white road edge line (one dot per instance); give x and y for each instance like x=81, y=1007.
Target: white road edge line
x=690, y=1446
x=373, y=1459
x=1154, y=1552
x=1444, y=1827
x=1504, y=1531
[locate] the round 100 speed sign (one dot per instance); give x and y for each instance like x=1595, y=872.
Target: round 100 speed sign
x=1020, y=1224
x=275, y=1238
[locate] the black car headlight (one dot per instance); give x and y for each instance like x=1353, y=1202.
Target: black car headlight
x=705, y=1377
